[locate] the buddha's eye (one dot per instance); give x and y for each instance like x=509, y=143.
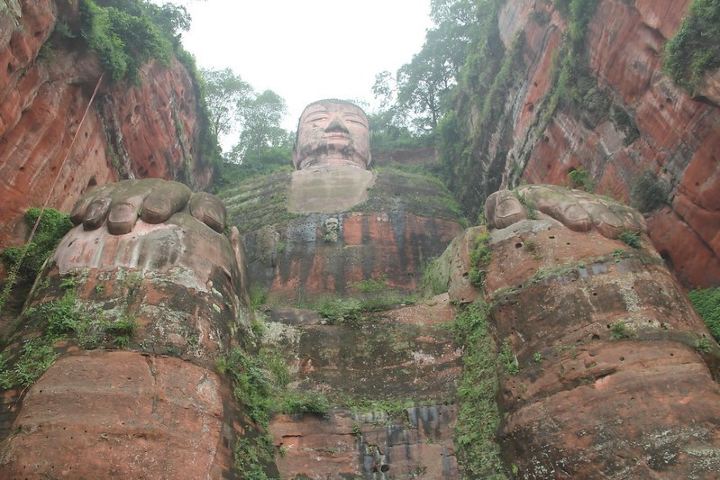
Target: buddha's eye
x=317, y=119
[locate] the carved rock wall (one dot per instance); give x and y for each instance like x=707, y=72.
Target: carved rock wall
x=677, y=136
x=148, y=129
x=406, y=221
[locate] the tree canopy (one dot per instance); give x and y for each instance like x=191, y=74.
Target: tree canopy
x=418, y=94
x=248, y=120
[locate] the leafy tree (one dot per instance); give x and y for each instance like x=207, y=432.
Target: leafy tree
x=417, y=96
x=127, y=33
x=225, y=93
x=252, y=121
x=259, y=119
x=695, y=49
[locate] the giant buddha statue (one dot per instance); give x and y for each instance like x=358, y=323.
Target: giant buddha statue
x=332, y=132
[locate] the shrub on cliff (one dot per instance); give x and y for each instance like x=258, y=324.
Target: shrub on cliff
x=649, y=192
x=707, y=304
x=53, y=226
x=127, y=33
x=695, y=49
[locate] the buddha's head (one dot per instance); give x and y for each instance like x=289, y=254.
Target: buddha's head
x=332, y=132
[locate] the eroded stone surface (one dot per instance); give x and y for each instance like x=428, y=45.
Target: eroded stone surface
x=403, y=357
x=675, y=137
x=120, y=415
x=611, y=357
x=405, y=222
x=136, y=414
x=148, y=129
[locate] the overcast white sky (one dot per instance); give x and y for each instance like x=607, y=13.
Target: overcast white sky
x=306, y=50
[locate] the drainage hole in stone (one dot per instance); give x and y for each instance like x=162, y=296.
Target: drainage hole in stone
x=518, y=245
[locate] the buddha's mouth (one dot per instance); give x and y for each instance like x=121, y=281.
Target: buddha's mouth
x=336, y=136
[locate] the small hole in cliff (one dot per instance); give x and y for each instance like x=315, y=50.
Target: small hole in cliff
x=38, y=33
x=96, y=152
x=226, y=443
x=594, y=294
x=385, y=468
x=86, y=134
x=546, y=139
x=136, y=109
x=535, y=84
x=668, y=100
x=531, y=107
x=672, y=354
x=697, y=184
x=567, y=243
x=22, y=169
x=552, y=237
x=622, y=359
x=518, y=245
x=595, y=336
x=128, y=117
x=10, y=68
x=608, y=326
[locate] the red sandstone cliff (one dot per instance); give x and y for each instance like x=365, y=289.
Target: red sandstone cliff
x=632, y=120
x=147, y=129
x=679, y=136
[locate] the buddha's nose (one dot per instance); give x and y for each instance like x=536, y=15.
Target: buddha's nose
x=336, y=125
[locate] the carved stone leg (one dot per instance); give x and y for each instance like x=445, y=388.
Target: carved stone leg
x=133, y=393
x=609, y=373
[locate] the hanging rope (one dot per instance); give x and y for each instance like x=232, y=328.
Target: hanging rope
x=13, y=274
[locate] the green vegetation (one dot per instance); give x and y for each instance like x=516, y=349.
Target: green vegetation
x=127, y=33
x=412, y=189
x=649, y=193
x=472, y=168
x=478, y=416
x=479, y=259
x=435, y=277
x=508, y=359
x=538, y=357
x=707, y=304
x=258, y=297
x=354, y=311
x=53, y=226
x=694, y=51
x=394, y=410
x=64, y=318
x=528, y=204
x=619, y=331
x=260, y=384
x=371, y=285
x=35, y=358
x=579, y=178
x=631, y=239
x=703, y=345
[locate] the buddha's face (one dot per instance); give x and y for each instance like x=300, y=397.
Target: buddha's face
x=332, y=133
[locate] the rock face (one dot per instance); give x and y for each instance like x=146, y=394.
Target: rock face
x=99, y=413
x=651, y=127
x=120, y=415
x=610, y=373
x=149, y=129
x=392, y=379
x=406, y=220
